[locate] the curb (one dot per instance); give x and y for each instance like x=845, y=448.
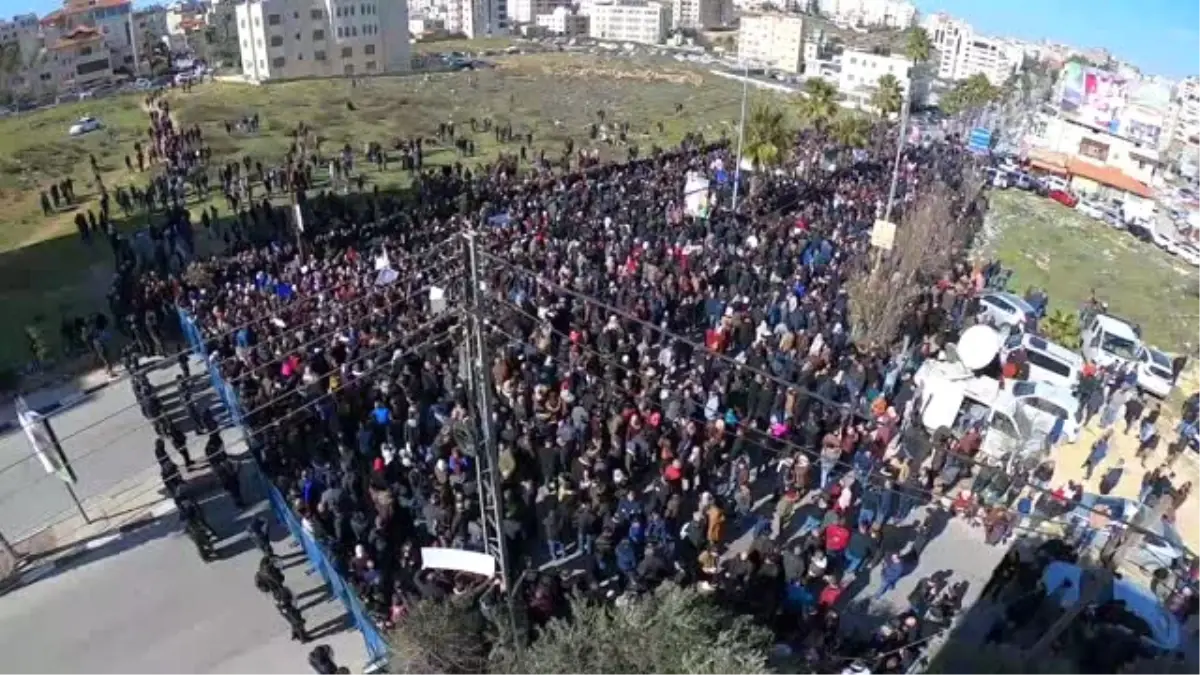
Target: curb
x=70, y=556
x=9, y=425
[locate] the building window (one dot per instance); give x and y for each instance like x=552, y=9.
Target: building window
x=273, y=20
x=277, y=62
x=260, y=43
x=347, y=52
x=319, y=56
x=369, y=50
x=348, y=69
x=242, y=23
x=853, y=61
x=262, y=65
x=339, y=32
x=353, y=31
x=299, y=57
x=318, y=35
x=317, y=15
x=1093, y=150
x=370, y=66
x=297, y=37
x=257, y=21
x=85, y=51
x=295, y=15
x=276, y=40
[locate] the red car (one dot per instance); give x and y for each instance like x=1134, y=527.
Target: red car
x=1065, y=198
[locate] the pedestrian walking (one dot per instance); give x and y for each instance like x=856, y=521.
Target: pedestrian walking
x=1097, y=454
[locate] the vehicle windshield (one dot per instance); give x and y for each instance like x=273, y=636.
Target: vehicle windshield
x=1040, y=360
x=1160, y=359
x=1118, y=346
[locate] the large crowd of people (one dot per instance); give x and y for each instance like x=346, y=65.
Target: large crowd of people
x=663, y=383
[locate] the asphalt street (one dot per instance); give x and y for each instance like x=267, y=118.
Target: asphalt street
x=146, y=603
x=107, y=441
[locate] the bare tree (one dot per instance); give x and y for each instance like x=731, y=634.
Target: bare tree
x=930, y=239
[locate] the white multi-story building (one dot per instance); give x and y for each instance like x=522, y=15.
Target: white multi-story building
x=563, y=21
x=861, y=71
x=300, y=38
x=962, y=52
x=701, y=14
x=477, y=18
x=881, y=13
x=526, y=11
x=644, y=22
x=773, y=41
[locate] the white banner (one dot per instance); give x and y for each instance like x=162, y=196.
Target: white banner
x=40, y=441
x=453, y=559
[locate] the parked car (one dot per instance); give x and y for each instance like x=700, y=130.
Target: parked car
x=1161, y=240
x=1090, y=209
x=85, y=125
x=1161, y=546
x=1065, y=198
x=1048, y=362
x=1141, y=232
x=1005, y=309
x=1189, y=253
x=1154, y=374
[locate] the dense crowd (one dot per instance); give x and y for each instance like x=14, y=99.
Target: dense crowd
x=663, y=382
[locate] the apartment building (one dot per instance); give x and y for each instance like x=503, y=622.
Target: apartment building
x=303, y=38
x=1096, y=162
x=526, y=11
x=962, y=52
x=1184, y=113
x=563, y=21
x=774, y=41
x=898, y=14
x=477, y=18
x=643, y=22
x=111, y=19
x=701, y=14
x=861, y=71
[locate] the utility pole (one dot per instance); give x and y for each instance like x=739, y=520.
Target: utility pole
x=737, y=170
x=891, y=201
x=479, y=379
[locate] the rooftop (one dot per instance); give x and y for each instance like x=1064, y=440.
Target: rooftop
x=1109, y=176
x=80, y=35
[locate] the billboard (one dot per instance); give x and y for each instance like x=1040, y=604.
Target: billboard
x=1091, y=95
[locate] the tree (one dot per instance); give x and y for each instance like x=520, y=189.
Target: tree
x=1063, y=328
x=917, y=46
x=970, y=95
x=671, y=630
x=10, y=57
x=820, y=104
x=888, y=96
x=928, y=241
x=768, y=137
x=851, y=130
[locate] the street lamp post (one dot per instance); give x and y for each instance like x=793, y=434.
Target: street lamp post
x=887, y=212
x=737, y=169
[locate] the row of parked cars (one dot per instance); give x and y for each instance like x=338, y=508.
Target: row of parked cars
x=1107, y=340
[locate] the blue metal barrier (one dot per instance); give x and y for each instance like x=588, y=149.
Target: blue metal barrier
x=318, y=557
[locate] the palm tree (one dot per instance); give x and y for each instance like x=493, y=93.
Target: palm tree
x=1063, y=328
x=768, y=140
x=888, y=96
x=820, y=104
x=917, y=46
x=851, y=130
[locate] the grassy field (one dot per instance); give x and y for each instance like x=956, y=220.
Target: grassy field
x=1069, y=254
x=47, y=272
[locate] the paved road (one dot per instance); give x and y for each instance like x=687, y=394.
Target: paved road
x=117, y=447
x=146, y=603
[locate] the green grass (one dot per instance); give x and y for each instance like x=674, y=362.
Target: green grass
x=1069, y=254
x=47, y=273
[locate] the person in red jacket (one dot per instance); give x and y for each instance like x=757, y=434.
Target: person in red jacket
x=837, y=537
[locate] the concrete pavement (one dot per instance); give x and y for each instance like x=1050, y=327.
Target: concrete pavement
x=107, y=441
x=142, y=601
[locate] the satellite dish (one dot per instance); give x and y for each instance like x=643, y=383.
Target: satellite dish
x=978, y=346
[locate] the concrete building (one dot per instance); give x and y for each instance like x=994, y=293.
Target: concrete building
x=1096, y=162
x=773, y=41
x=110, y=18
x=643, y=22
x=897, y=14
x=302, y=38
x=477, y=18
x=1184, y=113
x=962, y=52
x=563, y=21
x=701, y=14
x=526, y=11
x=860, y=72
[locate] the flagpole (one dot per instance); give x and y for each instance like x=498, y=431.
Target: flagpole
x=737, y=169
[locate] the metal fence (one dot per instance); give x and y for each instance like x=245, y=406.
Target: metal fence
x=319, y=557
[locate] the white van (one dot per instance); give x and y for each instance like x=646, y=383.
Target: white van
x=1108, y=340
x=1048, y=362
x=952, y=396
